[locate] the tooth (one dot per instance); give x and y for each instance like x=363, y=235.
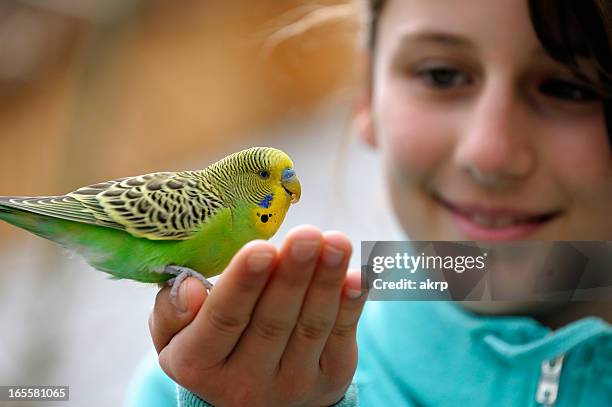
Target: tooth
x=504, y=222
x=482, y=220
x=493, y=222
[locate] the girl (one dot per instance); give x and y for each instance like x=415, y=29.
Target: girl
x=490, y=121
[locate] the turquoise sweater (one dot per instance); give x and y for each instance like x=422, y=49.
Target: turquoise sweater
x=436, y=354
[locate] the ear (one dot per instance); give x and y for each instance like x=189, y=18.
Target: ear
x=362, y=112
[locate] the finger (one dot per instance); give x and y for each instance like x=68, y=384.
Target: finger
x=274, y=318
x=216, y=329
x=321, y=305
x=339, y=356
x=166, y=319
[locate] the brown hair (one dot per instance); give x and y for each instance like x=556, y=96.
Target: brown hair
x=579, y=33
x=374, y=10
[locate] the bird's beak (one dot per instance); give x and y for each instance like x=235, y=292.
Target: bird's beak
x=291, y=184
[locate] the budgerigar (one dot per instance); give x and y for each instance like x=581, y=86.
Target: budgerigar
x=166, y=225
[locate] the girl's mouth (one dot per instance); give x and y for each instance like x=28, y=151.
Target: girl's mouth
x=483, y=222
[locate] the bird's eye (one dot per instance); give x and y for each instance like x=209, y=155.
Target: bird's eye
x=265, y=174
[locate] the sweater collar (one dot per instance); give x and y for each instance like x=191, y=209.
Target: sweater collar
x=518, y=339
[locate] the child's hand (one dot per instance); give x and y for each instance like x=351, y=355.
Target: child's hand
x=282, y=334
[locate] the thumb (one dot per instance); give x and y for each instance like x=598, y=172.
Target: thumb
x=167, y=319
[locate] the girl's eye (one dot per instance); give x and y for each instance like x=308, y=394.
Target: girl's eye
x=443, y=78
x=562, y=89
x=265, y=174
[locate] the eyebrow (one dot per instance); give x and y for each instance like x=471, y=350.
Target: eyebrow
x=435, y=37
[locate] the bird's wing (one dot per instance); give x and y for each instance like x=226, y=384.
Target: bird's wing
x=62, y=207
x=157, y=206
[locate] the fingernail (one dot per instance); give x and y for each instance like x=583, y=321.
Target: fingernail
x=352, y=293
x=258, y=262
x=332, y=256
x=182, y=305
x=304, y=250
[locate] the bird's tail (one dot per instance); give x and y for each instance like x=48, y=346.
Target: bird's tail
x=29, y=221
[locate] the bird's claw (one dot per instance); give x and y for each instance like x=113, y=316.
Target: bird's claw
x=181, y=274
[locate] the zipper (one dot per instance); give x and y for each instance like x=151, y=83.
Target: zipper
x=548, y=386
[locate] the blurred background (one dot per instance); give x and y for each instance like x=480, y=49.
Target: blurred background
x=93, y=90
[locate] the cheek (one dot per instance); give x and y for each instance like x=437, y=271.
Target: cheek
x=579, y=159
x=415, y=139
x=583, y=165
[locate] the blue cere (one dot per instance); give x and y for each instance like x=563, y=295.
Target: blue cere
x=288, y=173
x=265, y=203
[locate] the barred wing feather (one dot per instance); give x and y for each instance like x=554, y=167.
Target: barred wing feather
x=157, y=206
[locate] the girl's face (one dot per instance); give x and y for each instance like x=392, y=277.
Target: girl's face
x=483, y=135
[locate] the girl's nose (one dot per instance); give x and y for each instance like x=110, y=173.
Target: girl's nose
x=494, y=146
